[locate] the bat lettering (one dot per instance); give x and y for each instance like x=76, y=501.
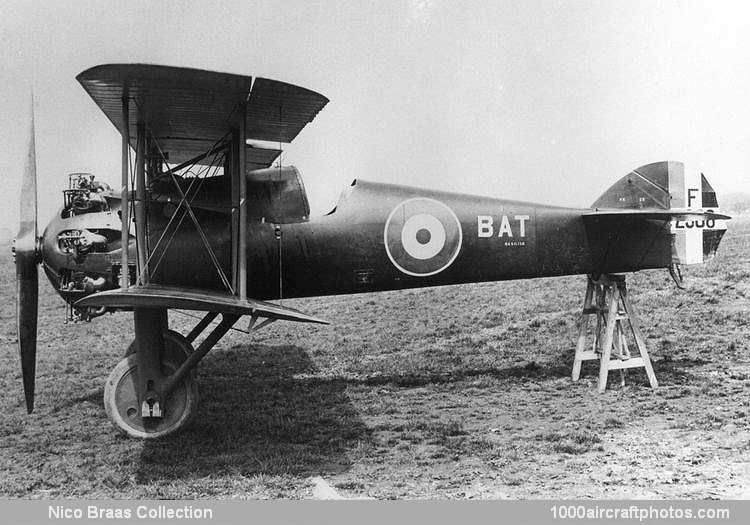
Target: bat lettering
x=486, y=228
x=505, y=228
x=522, y=223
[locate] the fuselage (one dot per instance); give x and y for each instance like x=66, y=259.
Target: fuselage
x=379, y=237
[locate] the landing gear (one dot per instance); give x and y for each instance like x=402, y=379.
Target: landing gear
x=176, y=348
x=152, y=392
x=123, y=409
x=121, y=400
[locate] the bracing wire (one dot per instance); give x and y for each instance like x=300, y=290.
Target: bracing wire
x=183, y=213
x=181, y=210
x=184, y=201
x=278, y=207
x=130, y=188
x=187, y=210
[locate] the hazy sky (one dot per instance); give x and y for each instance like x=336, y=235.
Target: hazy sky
x=542, y=101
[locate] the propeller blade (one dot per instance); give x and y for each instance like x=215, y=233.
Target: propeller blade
x=28, y=290
x=26, y=254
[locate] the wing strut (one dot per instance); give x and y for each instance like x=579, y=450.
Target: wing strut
x=242, y=230
x=234, y=163
x=125, y=201
x=140, y=204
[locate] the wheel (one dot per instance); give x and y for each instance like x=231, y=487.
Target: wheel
x=121, y=401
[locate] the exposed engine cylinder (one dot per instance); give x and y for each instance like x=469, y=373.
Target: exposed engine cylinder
x=85, y=194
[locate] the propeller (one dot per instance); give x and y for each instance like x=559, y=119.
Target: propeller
x=27, y=255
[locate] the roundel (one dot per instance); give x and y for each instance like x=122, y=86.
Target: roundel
x=422, y=237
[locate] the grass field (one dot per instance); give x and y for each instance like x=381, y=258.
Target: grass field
x=453, y=392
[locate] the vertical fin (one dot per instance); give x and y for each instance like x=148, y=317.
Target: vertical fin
x=671, y=185
x=694, y=241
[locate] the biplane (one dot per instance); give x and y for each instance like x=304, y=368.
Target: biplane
x=207, y=220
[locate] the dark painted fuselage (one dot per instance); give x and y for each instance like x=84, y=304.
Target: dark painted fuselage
x=345, y=251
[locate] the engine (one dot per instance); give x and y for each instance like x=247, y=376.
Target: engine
x=85, y=195
x=80, y=243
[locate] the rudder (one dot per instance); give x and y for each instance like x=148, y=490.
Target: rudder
x=670, y=185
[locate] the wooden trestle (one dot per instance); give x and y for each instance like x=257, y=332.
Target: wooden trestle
x=616, y=322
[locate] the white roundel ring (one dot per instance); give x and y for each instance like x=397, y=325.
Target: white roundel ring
x=422, y=237
x=423, y=228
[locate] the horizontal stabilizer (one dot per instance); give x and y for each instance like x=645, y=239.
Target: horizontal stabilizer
x=155, y=296
x=666, y=215
x=695, y=235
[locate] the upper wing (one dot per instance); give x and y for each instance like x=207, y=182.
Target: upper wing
x=189, y=110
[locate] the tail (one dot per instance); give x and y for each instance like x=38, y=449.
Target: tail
x=667, y=191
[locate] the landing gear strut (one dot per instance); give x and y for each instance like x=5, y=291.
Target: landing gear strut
x=152, y=392
x=177, y=348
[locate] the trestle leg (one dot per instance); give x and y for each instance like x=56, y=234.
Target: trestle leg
x=606, y=298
